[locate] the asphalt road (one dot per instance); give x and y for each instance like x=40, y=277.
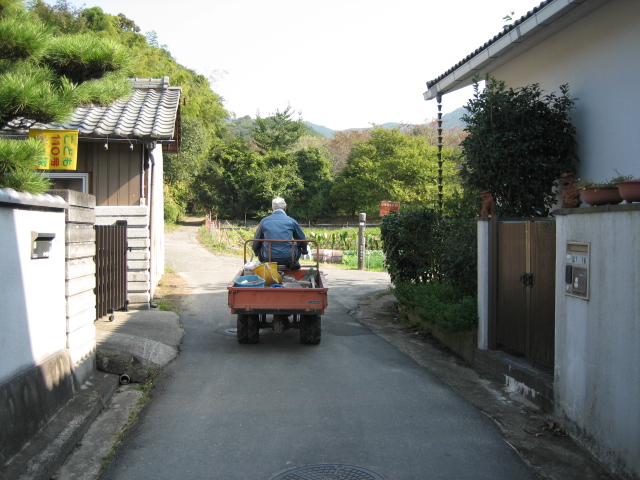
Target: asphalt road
x=227, y=411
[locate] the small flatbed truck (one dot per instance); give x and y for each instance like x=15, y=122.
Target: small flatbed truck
x=291, y=305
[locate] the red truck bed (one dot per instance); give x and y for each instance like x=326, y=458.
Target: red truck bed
x=287, y=301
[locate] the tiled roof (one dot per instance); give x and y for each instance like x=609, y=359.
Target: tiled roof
x=543, y=22
x=486, y=45
x=149, y=114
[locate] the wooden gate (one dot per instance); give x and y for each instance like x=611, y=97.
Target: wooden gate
x=523, y=284
x=111, y=268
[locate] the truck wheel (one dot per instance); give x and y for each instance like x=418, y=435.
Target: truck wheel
x=310, y=329
x=253, y=329
x=242, y=332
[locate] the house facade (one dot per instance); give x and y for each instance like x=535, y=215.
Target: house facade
x=120, y=163
x=591, y=45
x=48, y=253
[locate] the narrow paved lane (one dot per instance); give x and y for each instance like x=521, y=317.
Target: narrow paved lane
x=227, y=411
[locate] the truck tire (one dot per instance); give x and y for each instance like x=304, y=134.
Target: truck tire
x=310, y=329
x=242, y=332
x=253, y=329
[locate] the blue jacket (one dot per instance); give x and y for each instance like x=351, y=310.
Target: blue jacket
x=279, y=226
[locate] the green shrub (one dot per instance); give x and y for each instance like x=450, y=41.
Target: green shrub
x=422, y=246
x=432, y=262
x=455, y=249
x=408, y=241
x=172, y=212
x=439, y=304
x=518, y=145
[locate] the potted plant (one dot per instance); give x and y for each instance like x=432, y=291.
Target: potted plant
x=629, y=187
x=594, y=194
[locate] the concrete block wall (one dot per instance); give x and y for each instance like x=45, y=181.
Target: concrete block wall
x=139, y=255
x=80, y=282
x=597, y=370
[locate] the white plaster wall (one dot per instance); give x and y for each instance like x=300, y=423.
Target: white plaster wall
x=32, y=300
x=157, y=219
x=599, y=58
x=597, y=371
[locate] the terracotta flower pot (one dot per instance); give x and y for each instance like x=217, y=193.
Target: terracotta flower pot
x=629, y=190
x=601, y=196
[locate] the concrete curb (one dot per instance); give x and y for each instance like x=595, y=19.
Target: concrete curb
x=138, y=343
x=43, y=455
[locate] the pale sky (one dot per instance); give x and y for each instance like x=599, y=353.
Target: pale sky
x=339, y=63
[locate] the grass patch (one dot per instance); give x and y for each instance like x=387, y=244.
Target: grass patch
x=228, y=248
x=170, y=291
x=438, y=304
x=145, y=398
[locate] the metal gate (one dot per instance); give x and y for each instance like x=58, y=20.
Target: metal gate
x=523, y=283
x=111, y=268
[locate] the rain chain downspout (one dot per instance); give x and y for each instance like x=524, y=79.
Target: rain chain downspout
x=439, y=99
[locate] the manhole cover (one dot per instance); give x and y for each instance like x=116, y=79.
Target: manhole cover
x=329, y=472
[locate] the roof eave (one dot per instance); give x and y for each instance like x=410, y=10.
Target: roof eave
x=537, y=27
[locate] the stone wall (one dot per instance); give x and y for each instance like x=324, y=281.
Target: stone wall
x=80, y=281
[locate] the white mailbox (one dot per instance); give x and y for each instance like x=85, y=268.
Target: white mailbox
x=576, y=276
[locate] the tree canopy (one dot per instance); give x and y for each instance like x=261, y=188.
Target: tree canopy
x=57, y=57
x=278, y=132
x=43, y=77
x=392, y=166
x=519, y=143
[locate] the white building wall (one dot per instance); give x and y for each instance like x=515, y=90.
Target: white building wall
x=598, y=56
x=597, y=371
x=157, y=218
x=32, y=303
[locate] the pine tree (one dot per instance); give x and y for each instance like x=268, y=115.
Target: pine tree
x=43, y=78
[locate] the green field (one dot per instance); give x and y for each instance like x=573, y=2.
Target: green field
x=230, y=239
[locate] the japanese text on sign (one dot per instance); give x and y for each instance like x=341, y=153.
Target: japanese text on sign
x=61, y=148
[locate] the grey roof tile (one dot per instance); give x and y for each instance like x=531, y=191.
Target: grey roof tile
x=149, y=113
x=490, y=42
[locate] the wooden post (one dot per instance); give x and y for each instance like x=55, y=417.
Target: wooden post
x=361, y=240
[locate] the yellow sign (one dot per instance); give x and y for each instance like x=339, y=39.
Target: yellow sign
x=61, y=148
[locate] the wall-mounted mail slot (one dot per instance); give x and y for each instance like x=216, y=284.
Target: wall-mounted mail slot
x=41, y=244
x=576, y=270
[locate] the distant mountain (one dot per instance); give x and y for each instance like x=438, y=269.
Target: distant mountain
x=449, y=120
x=327, y=132
x=454, y=119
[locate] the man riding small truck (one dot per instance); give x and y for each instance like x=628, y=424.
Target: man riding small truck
x=294, y=295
